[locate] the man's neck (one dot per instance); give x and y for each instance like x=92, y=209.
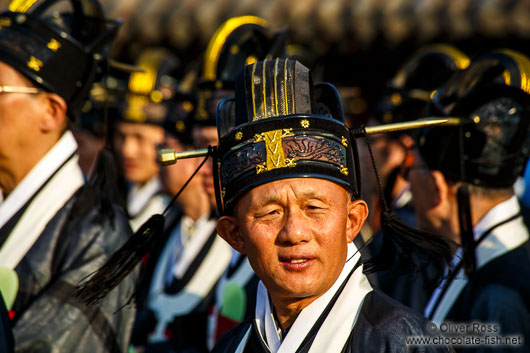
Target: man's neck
x=480, y=206
x=287, y=310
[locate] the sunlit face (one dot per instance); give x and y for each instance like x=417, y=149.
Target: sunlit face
x=136, y=147
x=19, y=121
x=295, y=233
x=204, y=136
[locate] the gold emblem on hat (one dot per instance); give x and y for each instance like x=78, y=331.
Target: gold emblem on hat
x=5, y=22
x=239, y=135
x=344, y=141
x=274, y=149
x=53, y=45
x=305, y=123
x=34, y=63
x=344, y=170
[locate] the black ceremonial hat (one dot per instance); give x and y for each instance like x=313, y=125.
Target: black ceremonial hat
x=237, y=42
x=150, y=92
x=280, y=125
x=488, y=143
x=409, y=93
x=61, y=45
x=178, y=120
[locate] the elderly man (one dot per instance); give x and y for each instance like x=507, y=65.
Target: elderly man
x=289, y=190
x=462, y=183
x=54, y=229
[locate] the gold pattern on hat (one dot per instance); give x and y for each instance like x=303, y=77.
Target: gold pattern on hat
x=252, y=89
x=344, y=141
x=53, y=45
x=274, y=150
x=344, y=170
x=34, y=63
x=5, y=22
x=239, y=135
x=20, y=6
x=305, y=123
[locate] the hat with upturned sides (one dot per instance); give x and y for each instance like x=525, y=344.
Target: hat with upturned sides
x=237, y=42
x=487, y=142
x=178, y=121
x=150, y=91
x=60, y=45
x=409, y=93
x=281, y=125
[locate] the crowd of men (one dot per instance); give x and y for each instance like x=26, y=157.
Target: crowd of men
x=287, y=226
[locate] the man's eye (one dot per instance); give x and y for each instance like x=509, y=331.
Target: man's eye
x=267, y=213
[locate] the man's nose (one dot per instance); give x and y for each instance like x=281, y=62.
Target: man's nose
x=295, y=227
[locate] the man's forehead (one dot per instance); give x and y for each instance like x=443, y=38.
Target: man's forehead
x=300, y=188
x=205, y=135
x=8, y=72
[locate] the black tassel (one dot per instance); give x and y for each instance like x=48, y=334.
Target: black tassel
x=405, y=247
x=466, y=230
x=409, y=248
x=97, y=285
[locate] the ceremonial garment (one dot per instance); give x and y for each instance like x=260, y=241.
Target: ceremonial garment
x=349, y=317
x=54, y=231
x=499, y=291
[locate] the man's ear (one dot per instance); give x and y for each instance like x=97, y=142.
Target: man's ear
x=441, y=189
x=357, y=214
x=228, y=229
x=54, y=118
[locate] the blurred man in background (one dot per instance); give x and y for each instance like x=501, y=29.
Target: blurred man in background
x=54, y=229
x=139, y=131
x=462, y=184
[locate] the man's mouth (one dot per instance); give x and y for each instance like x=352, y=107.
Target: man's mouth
x=297, y=261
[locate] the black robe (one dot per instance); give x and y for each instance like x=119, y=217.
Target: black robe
x=383, y=325
x=499, y=293
x=81, y=236
x=187, y=332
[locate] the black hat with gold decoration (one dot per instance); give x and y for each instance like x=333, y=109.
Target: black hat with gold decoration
x=487, y=143
x=151, y=90
x=237, y=42
x=409, y=93
x=61, y=45
x=281, y=125
x=487, y=140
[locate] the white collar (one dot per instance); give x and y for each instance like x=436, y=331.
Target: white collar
x=502, y=239
x=139, y=196
x=266, y=323
x=496, y=215
x=39, y=174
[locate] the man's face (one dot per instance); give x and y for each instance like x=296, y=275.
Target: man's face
x=204, y=136
x=136, y=146
x=19, y=122
x=174, y=176
x=425, y=196
x=295, y=233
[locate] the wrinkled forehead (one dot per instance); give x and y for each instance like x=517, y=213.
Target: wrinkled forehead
x=294, y=190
